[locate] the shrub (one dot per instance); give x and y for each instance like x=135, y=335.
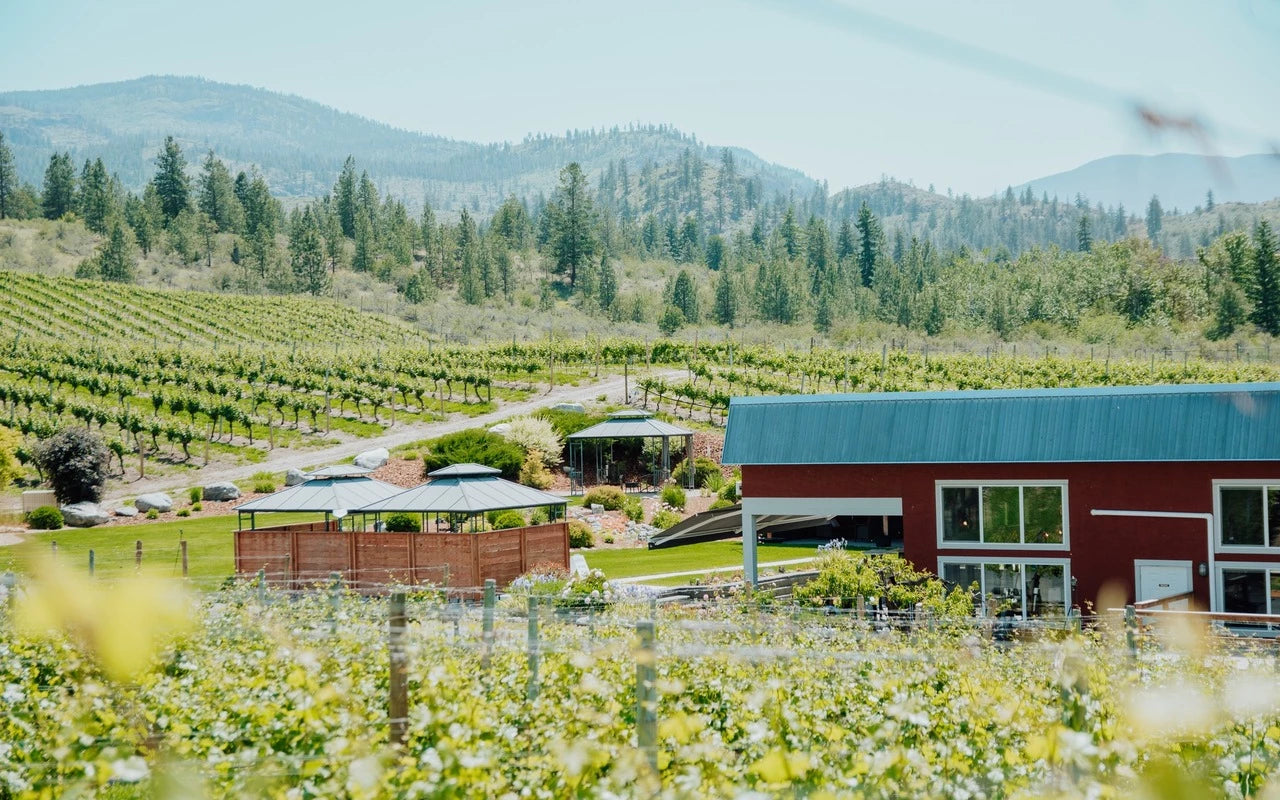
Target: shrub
x=665, y=519
x=567, y=422
x=634, y=509
x=535, y=434
x=184, y=512
x=608, y=538
x=541, y=580
x=75, y=461
x=673, y=496
x=611, y=497
x=534, y=472
x=581, y=535
x=194, y=494
x=153, y=514
x=474, y=445
x=10, y=464
x=730, y=492
x=45, y=518
x=264, y=487
x=403, y=523
x=585, y=591
x=539, y=516
x=510, y=518
x=197, y=506
x=703, y=469
x=844, y=576
x=720, y=502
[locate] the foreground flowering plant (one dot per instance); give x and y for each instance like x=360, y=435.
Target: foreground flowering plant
x=288, y=698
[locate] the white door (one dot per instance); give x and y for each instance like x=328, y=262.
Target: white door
x=1158, y=580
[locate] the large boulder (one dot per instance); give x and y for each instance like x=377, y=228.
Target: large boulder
x=160, y=501
x=125, y=511
x=576, y=407
x=84, y=515
x=220, y=492
x=372, y=459
x=294, y=477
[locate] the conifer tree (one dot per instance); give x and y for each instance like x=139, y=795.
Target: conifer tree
x=171, y=180
x=306, y=255
x=869, y=242
x=846, y=244
x=1084, y=235
x=344, y=193
x=789, y=233
x=218, y=196
x=362, y=260
x=96, y=199
x=8, y=181
x=116, y=262
x=1266, y=280
x=725, y=309
x=607, y=293
x=684, y=296
x=572, y=237
x=58, y=195
x=1155, y=219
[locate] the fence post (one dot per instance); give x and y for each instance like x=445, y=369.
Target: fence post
x=183, y=545
x=262, y=586
x=137, y=555
x=54, y=549
x=398, y=699
x=1131, y=630
x=862, y=608
x=647, y=694
x=533, y=649
x=486, y=635
x=335, y=599
x=90, y=562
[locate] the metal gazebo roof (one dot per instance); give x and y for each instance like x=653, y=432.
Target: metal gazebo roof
x=463, y=488
x=324, y=494
x=338, y=471
x=631, y=425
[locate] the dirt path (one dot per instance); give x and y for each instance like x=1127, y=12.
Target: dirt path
x=285, y=459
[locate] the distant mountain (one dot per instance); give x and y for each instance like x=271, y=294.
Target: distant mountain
x=300, y=145
x=1180, y=180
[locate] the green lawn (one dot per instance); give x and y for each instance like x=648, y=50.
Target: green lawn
x=209, y=547
x=703, y=555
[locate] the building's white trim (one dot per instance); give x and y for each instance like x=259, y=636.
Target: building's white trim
x=1254, y=566
x=1241, y=483
x=814, y=506
x=996, y=547
x=995, y=558
x=1139, y=563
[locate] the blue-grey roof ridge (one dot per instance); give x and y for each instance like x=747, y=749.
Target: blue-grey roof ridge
x=996, y=394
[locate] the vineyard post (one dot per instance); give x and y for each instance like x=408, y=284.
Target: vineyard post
x=486, y=627
x=647, y=694
x=862, y=608
x=532, y=692
x=183, y=544
x=137, y=555
x=90, y=562
x=335, y=599
x=54, y=549
x=1130, y=630
x=398, y=694
x=262, y=586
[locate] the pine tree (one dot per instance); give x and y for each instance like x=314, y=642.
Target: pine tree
x=607, y=294
x=572, y=238
x=684, y=296
x=1209, y=205
x=1155, y=219
x=846, y=244
x=96, y=199
x=8, y=181
x=116, y=262
x=344, y=193
x=218, y=196
x=306, y=256
x=58, y=196
x=824, y=314
x=171, y=180
x=1228, y=315
x=789, y=233
x=1266, y=280
x=869, y=243
x=935, y=319
x=1084, y=235
x=362, y=260
x=725, y=310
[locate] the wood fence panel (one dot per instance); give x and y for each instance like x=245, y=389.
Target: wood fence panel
x=444, y=558
x=382, y=557
x=500, y=553
x=319, y=553
x=547, y=544
x=263, y=550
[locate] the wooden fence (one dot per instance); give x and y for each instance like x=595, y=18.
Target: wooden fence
x=299, y=555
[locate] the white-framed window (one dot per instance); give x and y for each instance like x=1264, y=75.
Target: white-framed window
x=1021, y=587
x=1247, y=515
x=1249, y=587
x=1002, y=514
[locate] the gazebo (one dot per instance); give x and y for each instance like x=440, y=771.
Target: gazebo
x=341, y=488
x=463, y=494
x=631, y=424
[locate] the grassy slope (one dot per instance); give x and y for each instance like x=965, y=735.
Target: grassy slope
x=210, y=549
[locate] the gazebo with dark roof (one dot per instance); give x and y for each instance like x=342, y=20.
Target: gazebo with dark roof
x=629, y=424
x=465, y=489
x=333, y=489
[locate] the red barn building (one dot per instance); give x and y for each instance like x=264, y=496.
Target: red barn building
x=1040, y=496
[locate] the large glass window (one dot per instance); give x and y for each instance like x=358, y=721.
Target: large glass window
x=1250, y=516
x=1000, y=514
x=1023, y=589
x=1247, y=591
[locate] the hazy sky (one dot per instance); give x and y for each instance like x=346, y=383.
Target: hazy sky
x=805, y=83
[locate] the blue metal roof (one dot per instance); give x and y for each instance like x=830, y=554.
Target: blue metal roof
x=1189, y=422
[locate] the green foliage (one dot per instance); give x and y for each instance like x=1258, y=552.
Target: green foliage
x=580, y=534
x=566, y=422
x=730, y=491
x=10, y=467
x=58, y=193
x=182, y=512
x=634, y=509
x=611, y=497
x=477, y=446
x=194, y=494
x=844, y=576
x=719, y=503
x=403, y=523
x=665, y=519
x=510, y=518
x=197, y=506
x=45, y=518
x=170, y=181
x=704, y=468
x=264, y=486
x=1266, y=280
x=673, y=495
x=536, y=434
x=533, y=472
x=75, y=463
x=672, y=320
x=153, y=513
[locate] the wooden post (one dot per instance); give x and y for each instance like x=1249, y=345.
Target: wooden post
x=183, y=545
x=91, y=565
x=398, y=698
x=647, y=694
x=54, y=549
x=137, y=554
x=1131, y=630
x=262, y=586
x=862, y=608
x=490, y=600
x=532, y=693
x=335, y=599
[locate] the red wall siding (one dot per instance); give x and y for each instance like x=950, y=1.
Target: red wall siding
x=1102, y=548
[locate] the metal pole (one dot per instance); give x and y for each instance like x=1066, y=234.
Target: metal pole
x=490, y=600
x=532, y=693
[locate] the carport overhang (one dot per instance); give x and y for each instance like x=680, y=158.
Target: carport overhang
x=755, y=508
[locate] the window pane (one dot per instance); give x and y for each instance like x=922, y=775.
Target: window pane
x=1244, y=591
x=1004, y=589
x=1043, y=508
x=1273, y=516
x=1046, y=593
x=965, y=575
x=1275, y=592
x=959, y=514
x=1000, y=514
x=1242, y=516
